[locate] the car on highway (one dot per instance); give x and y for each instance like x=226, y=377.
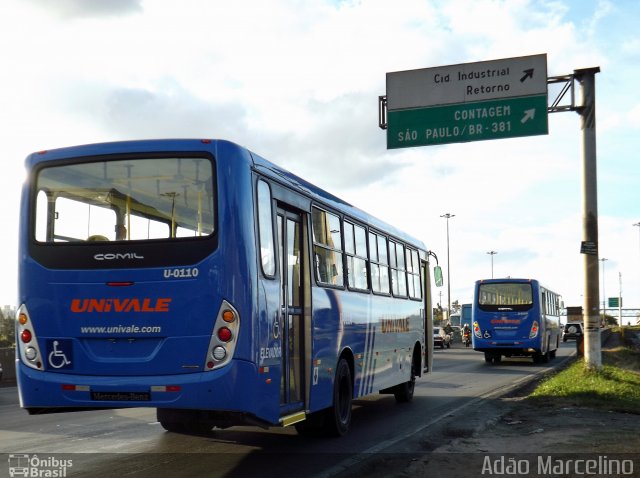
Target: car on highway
x=572, y=330
x=456, y=335
x=440, y=338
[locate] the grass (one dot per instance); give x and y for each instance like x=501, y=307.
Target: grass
x=615, y=387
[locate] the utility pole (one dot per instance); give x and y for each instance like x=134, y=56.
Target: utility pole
x=619, y=299
x=448, y=216
x=592, y=346
x=637, y=224
x=604, y=295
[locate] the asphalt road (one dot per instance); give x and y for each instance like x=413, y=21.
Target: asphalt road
x=129, y=442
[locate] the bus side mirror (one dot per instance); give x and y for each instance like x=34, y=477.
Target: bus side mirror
x=437, y=275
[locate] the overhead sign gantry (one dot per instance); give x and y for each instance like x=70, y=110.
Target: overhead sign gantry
x=467, y=102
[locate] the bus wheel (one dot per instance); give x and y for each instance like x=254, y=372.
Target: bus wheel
x=490, y=357
x=170, y=420
x=541, y=358
x=313, y=425
x=183, y=421
x=404, y=391
x=199, y=427
x=338, y=420
x=173, y=427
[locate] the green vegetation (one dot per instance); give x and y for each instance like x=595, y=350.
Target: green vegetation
x=615, y=387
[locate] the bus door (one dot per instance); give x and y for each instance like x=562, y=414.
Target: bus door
x=291, y=244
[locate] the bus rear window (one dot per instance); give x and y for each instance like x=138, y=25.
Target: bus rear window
x=122, y=200
x=496, y=296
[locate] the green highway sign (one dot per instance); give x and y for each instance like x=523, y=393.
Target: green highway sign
x=462, y=122
x=614, y=302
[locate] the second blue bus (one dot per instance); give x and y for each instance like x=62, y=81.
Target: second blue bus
x=515, y=317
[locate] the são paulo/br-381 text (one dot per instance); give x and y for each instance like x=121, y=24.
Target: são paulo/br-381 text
x=456, y=131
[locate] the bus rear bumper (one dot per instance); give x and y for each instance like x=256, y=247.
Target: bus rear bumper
x=506, y=348
x=47, y=392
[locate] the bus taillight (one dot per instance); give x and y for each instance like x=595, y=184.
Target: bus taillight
x=228, y=316
x=224, y=334
x=219, y=353
x=224, y=337
x=28, y=343
x=534, y=330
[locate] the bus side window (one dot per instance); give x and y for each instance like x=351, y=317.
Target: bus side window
x=413, y=274
x=355, y=245
x=398, y=272
x=265, y=226
x=379, y=263
x=327, y=247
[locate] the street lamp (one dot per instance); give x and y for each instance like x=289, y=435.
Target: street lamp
x=604, y=296
x=492, y=253
x=448, y=216
x=638, y=225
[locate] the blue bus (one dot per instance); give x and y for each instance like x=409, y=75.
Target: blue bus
x=197, y=278
x=515, y=317
x=462, y=317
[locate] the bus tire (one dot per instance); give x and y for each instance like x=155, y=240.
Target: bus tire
x=404, y=391
x=313, y=425
x=338, y=419
x=173, y=427
x=541, y=357
x=183, y=421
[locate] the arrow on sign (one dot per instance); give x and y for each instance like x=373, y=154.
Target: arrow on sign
x=528, y=114
x=527, y=74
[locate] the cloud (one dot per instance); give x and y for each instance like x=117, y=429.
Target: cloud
x=89, y=8
x=167, y=110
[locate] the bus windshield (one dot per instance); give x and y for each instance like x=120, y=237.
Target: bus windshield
x=505, y=296
x=121, y=200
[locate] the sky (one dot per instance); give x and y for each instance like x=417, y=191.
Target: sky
x=298, y=81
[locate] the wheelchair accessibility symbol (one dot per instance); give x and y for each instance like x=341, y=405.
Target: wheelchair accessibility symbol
x=60, y=353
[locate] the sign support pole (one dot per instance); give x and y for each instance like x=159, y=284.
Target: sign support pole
x=592, y=349
x=620, y=299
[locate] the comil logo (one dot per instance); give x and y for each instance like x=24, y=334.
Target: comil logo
x=118, y=256
x=28, y=465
